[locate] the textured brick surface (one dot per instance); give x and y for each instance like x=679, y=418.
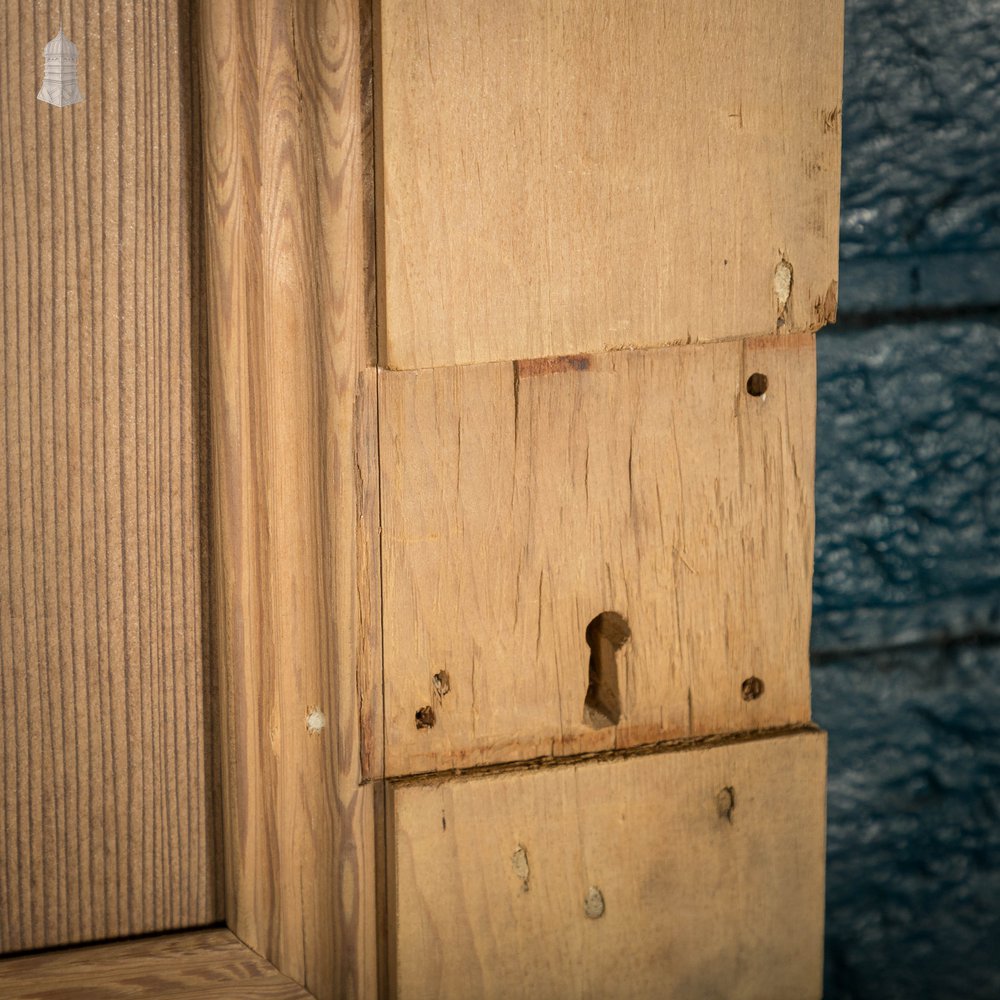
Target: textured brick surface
x=964, y=280
x=913, y=864
x=907, y=484
x=921, y=142
x=908, y=511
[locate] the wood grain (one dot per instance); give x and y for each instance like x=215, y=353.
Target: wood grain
x=197, y=965
x=559, y=176
x=369, y=574
x=106, y=767
x=288, y=215
x=521, y=502
x=708, y=862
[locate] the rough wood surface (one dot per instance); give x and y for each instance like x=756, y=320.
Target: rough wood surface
x=369, y=655
x=561, y=176
x=198, y=965
x=520, y=502
x=105, y=745
x=692, y=874
x=289, y=276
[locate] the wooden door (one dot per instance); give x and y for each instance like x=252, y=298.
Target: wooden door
x=510, y=342
x=607, y=234
x=107, y=746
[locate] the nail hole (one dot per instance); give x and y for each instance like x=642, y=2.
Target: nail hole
x=605, y=635
x=425, y=717
x=519, y=861
x=757, y=384
x=442, y=683
x=783, y=284
x=593, y=903
x=725, y=803
x=752, y=688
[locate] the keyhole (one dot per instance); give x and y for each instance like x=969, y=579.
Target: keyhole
x=606, y=634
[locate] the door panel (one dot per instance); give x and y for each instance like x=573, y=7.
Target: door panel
x=106, y=762
x=691, y=875
x=525, y=506
x=563, y=177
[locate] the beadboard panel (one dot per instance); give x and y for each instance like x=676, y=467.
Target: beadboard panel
x=106, y=761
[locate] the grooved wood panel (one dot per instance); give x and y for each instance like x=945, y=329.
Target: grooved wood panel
x=105, y=751
x=561, y=176
x=687, y=874
x=197, y=965
x=288, y=216
x=519, y=502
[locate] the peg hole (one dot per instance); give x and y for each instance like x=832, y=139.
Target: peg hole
x=752, y=688
x=757, y=384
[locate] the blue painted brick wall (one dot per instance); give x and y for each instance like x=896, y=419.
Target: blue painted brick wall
x=921, y=142
x=906, y=633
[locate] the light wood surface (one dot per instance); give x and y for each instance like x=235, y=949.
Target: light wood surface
x=695, y=874
x=521, y=502
x=288, y=219
x=572, y=176
x=369, y=576
x=197, y=965
x=106, y=797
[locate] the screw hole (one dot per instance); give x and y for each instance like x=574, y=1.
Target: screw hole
x=752, y=688
x=757, y=384
x=425, y=717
